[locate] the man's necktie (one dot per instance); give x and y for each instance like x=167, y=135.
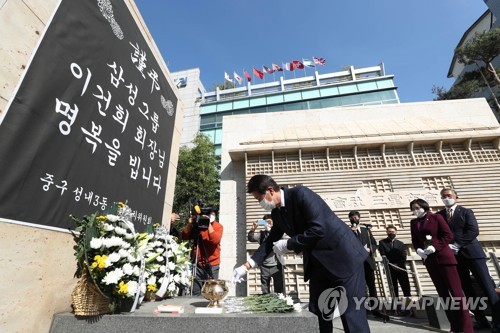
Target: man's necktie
x=449, y=214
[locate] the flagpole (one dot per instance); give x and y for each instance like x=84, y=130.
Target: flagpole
x=305, y=73
x=284, y=70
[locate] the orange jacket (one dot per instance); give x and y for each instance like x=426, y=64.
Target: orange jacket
x=211, y=242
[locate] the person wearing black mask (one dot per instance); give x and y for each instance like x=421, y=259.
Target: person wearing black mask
x=370, y=245
x=395, y=251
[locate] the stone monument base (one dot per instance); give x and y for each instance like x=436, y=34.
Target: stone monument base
x=145, y=320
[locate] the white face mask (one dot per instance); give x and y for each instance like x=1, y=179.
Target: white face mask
x=419, y=212
x=448, y=202
x=212, y=218
x=267, y=205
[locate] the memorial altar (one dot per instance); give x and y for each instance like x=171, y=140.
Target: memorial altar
x=145, y=319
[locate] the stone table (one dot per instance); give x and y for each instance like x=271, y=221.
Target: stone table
x=145, y=320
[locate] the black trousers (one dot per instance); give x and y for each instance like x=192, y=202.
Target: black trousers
x=271, y=272
x=400, y=276
x=201, y=276
x=370, y=282
x=322, y=283
x=482, y=276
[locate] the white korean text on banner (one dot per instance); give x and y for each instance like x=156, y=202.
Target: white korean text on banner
x=91, y=123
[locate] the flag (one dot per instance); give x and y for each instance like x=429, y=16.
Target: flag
x=227, y=77
x=289, y=66
x=319, y=61
x=277, y=68
x=267, y=70
x=308, y=63
x=237, y=77
x=258, y=73
x=297, y=64
x=245, y=74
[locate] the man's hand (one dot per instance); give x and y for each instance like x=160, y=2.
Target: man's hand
x=430, y=250
x=239, y=274
x=421, y=253
x=454, y=247
x=280, y=247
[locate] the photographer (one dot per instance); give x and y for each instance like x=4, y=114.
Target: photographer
x=271, y=267
x=207, y=235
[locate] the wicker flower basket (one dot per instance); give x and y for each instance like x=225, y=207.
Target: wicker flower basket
x=87, y=299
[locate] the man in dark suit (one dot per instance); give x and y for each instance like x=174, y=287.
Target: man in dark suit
x=470, y=256
x=333, y=259
x=366, y=239
x=395, y=251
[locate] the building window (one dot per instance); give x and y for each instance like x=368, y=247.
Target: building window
x=378, y=185
x=436, y=183
x=484, y=152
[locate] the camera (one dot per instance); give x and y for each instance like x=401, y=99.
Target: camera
x=202, y=214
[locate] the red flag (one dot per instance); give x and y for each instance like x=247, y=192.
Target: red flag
x=319, y=61
x=258, y=73
x=267, y=70
x=298, y=64
x=277, y=68
x=245, y=74
x=289, y=66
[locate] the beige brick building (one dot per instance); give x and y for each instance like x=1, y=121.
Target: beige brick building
x=374, y=159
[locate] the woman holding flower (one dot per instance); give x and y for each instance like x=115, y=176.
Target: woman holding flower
x=430, y=235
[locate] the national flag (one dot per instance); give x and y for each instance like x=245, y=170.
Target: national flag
x=267, y=70
x=319, y=61
x=245, y=74
x=289, y=66
x=237, y=77
x=258, y=73
x=277, y=68
x=227, y=77
x=308, y=63
x=298, y=64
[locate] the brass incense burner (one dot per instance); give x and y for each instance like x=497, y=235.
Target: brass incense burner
x=214, y=291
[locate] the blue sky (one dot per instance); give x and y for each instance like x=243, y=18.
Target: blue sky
x=414, y=39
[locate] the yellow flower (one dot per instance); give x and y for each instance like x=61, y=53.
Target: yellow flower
x=152, y=287
x=101, y=218
x=121, y=204
x=94, y=265
x=123, y=288
x=100, y=262
x=156, y=225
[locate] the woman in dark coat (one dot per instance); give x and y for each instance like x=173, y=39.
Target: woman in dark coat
x=430, y=235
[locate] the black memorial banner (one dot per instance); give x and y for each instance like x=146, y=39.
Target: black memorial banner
x=91, y=123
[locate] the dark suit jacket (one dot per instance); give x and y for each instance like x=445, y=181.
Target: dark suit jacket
x=395, y=251
x=316, y=232
x=437, y=227
x=367, y=240
x=465, y=230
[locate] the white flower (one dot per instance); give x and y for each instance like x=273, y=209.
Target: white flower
x=120, y=231
x=96, y=243
x=172, y=287
x=152, y=280
x=163, y=269
x=114, y=257
x=137, y=271
x=128, y=269
x=123, y=253
x=129, y=236
x=132, y=288
x=112, y=218
x=160, y=250
x=160, y=258
x=177, y=278
x=297, y=307
x=428, y=237
x=108, y=227
x=280, y=296
x=112, y=241
x=289, y=300
x=113, y=277
x=171, y=265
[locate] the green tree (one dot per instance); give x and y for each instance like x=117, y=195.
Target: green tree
x=481, y=50
x=197, y=175
x=484, y=47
